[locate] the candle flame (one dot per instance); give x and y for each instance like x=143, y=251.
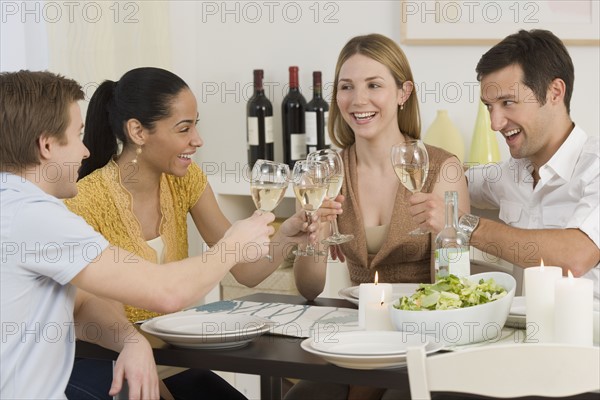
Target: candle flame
x=569, y=274
x=376, y=278
x=542, y=264
x=382, y=297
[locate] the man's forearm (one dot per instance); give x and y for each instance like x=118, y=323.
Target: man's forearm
x=570, y=249
x=103, y=322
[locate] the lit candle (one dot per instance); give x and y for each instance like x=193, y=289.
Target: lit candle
x=574, y=311
x=539, y=301
x=377, y=316
x=370, y=294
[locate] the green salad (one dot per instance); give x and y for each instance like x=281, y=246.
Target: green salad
x=450, y=293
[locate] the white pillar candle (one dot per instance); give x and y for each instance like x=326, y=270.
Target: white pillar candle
x=539, y=300
x=370, y=293
x=377, y=315
x=574, y=311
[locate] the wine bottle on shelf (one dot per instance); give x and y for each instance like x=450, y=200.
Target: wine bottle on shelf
x=451, y=244
x=259, y=114
x=317, y=113
x=293, y=108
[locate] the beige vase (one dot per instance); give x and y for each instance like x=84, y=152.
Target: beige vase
x=484, y=145
x=444, y=134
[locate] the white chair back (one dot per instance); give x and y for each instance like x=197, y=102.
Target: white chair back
x=551, y=370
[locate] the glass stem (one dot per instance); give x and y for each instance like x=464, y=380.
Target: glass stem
x=309, y=220
x=334, y=228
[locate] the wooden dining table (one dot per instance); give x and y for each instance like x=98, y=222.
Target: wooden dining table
x=272, y=357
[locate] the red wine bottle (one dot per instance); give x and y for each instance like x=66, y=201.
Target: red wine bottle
x=317, y=113
x=259, y=114
x=292, y=117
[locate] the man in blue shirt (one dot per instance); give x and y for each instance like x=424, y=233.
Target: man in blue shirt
x=49, y=253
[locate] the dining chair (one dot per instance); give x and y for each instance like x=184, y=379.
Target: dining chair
x=551, y=370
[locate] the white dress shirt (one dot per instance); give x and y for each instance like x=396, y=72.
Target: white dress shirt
x=566, y=196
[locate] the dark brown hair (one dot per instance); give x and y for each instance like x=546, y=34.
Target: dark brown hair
x=32, y=104
x=542, y=57
x=145, y=94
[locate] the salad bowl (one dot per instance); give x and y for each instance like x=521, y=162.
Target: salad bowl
x=476, y=323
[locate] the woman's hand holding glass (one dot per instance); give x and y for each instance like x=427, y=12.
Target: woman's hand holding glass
x=411, y=164
x=335, y=181
x=252, y=234
x=268, y=182
x=309, y=179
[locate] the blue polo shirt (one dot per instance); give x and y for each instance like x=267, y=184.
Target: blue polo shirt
x=44, y=246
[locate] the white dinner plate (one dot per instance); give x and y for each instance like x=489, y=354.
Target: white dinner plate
x=222, y=341
x=365, y=343
x=207, y=324
x=379, y=361
x=516, y=315
x=518, y=306
x=398, y=290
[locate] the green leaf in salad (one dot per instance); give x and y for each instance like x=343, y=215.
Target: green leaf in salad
x=450, y=293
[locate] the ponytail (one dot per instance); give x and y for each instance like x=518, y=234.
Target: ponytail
x=99, y=137
x=145, y=94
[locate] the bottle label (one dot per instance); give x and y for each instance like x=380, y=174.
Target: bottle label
x=268, y=130
x=298, y=146
x=311, y=128
x=253, y=131
x=453, y=261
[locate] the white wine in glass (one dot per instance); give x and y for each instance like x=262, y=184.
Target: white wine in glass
x=412, y=176
x=267, y=196
x=335, y=181
x=309, y=179
x=268, y=182
x=411, y=164
x=335, y=185
x=310, y=196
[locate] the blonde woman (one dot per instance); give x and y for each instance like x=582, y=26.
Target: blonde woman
x=375, y=106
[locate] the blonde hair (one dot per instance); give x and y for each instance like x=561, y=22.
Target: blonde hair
x=385, y=51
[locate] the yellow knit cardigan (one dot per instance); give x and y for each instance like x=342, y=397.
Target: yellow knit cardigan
x=107, y=206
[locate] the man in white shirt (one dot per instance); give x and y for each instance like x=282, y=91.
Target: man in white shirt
x=548, y=193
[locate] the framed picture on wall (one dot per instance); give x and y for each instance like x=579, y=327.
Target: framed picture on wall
x=483, y=22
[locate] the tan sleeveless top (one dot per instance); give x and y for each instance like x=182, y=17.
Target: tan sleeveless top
x=401, y=258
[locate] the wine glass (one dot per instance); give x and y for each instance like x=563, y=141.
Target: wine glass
x=309, y=179
x=335, y=180
x=411, y=164
x=268, y=183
